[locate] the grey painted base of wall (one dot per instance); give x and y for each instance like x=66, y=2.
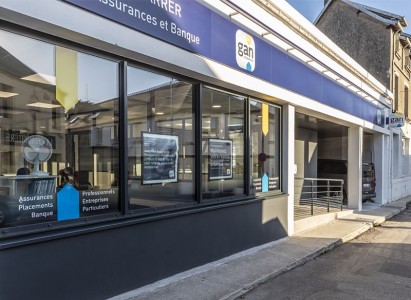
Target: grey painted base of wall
x=110, y=262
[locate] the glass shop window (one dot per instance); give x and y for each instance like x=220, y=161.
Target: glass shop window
x=222, y=144
x=265, y=147
x=160, y=141
x=59, y=133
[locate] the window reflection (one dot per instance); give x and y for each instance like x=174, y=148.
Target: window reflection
x=223, y=144
x=160, y=140
x=59, y=133
x=265, y=147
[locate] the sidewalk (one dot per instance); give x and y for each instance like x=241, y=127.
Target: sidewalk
x=233, y=276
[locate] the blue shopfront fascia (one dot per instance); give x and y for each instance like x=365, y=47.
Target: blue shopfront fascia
x=195, y=28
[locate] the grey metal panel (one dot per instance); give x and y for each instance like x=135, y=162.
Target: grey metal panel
x=106, y=263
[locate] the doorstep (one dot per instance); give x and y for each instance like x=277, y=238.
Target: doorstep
x=319, y=220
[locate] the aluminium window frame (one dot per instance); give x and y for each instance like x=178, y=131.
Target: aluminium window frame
x=27, y=234
x=280, y=174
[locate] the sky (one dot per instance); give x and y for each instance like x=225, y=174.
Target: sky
x=311, y=8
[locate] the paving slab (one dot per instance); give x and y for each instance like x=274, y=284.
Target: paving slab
x=233, y=276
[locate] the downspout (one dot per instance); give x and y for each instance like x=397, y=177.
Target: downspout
x=392, y=110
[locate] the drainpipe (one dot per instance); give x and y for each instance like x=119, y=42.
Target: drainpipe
x=395, y=100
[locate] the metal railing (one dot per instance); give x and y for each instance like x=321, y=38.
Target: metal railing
x=320, y=192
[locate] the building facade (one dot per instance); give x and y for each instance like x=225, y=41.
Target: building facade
x=383, y=48
x=140, y=139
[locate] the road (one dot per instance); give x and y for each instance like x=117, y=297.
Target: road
x=376, y=265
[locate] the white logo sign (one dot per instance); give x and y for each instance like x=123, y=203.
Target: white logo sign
x=245, y=50
x=396, y=120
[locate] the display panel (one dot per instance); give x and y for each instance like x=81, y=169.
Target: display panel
x=159, y=158
x=220, y=159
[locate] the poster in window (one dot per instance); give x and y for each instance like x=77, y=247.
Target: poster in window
x=220, y=159
x=159, y=158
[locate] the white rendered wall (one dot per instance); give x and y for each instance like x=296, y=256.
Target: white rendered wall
x=381, y=162
x=354, y=176
x=288, y=161
x=401, y=163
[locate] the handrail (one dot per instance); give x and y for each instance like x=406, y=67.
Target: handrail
x=322, y=192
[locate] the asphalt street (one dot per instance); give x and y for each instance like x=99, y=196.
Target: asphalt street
x=376, y=265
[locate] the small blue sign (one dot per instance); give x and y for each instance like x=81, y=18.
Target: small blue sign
x=264, y=183
x=68, y=204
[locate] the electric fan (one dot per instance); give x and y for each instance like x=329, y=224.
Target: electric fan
x=37, y=149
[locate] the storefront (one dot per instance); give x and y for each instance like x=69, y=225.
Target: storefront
x=139, y=140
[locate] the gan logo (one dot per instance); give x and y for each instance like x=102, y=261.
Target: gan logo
x=245, y=51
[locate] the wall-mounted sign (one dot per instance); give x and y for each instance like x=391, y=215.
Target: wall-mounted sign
x=220, y=159
x=396, y=120
x=194, y=27
x=159, y=158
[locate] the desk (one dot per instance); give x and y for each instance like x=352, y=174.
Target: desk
x=27, y=184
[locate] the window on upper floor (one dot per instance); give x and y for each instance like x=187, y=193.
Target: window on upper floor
x=396, y=94
x=398, y=51
x=406, y=105
x=407, y=60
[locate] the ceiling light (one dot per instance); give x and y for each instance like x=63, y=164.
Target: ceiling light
x=159, y=113
x=41, y=78
x=7, y=94
x=43, y=105
x=216, y=106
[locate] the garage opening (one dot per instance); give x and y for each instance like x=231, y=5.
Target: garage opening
x=321, y=152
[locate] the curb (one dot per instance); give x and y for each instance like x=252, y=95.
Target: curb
x=350, y=236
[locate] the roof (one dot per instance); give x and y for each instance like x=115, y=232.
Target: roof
x=387, y=18
x=405, y=39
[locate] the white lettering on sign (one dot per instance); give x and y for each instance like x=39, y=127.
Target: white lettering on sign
x=191, y=38
x=396, y=120
x=168, y=5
